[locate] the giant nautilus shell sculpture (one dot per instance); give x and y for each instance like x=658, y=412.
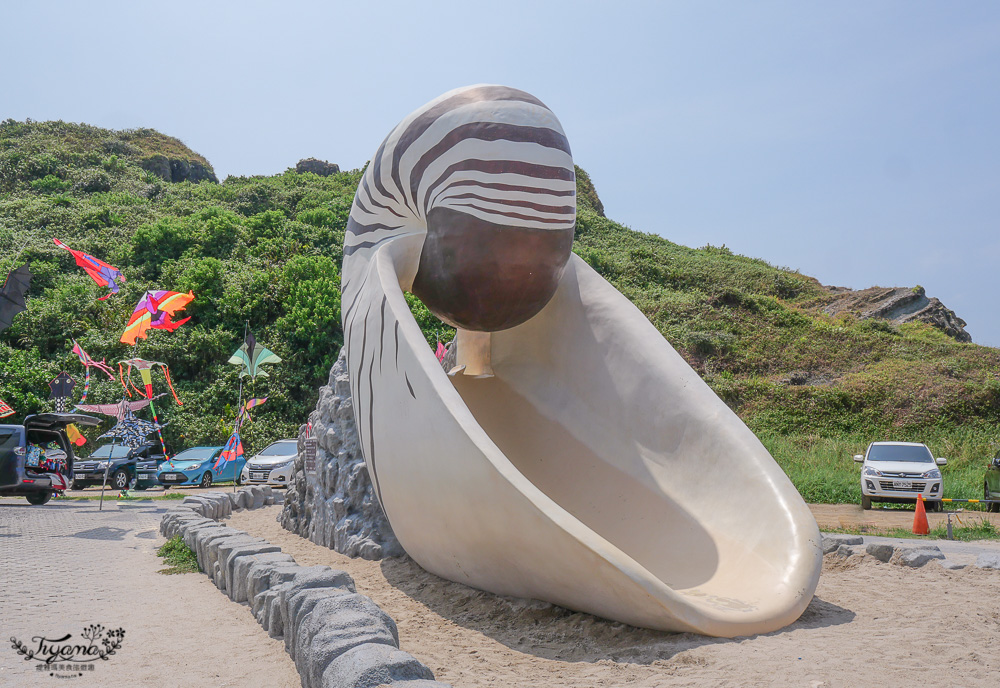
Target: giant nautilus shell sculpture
x=572, y=456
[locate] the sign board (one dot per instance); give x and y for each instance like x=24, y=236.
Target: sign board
x=310, y=459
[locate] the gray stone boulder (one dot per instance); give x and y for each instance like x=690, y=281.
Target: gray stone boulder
x=298, y=597
x=239, y=582
x=199, y=538
x=881, y=551
x=371, y=665
x=230, y=554
x=335, y=504
x=918, y=556
x=831, y=541
x=334, y=626
x=172, y=521
x=951, y=565
x=988, y=560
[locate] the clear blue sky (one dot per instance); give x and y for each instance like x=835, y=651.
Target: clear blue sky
x=858, y=142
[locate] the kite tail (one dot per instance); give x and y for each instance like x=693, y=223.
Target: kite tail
x=166, y=374
x=86, y=385
x=104, y=367
x=138, y=392
x=121, y=378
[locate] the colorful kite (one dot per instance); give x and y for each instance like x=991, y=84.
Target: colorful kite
x=89, y=363
x=244, y=413
x=155, y=311
x=5, y=409
x=441, y=352
x=145, y=369
x=75, y=436
x=131, y=431
x=62, y=389
x=117, y=410
x=12, y=295
x=252, y=356
x=99, y=271
x=233, y=451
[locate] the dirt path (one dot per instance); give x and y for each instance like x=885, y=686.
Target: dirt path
x=870, y=624
x=830, y=516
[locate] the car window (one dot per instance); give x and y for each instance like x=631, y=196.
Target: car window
x=900, y=452
x=281, y=449
x=116, y=452
x=10, y=439
x=196, y=454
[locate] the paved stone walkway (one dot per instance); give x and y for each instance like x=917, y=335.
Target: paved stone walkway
x=67, y=565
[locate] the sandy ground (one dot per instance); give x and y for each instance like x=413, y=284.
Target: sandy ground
x=870, y=624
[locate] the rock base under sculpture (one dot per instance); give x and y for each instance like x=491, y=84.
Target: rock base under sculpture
x=335, y=504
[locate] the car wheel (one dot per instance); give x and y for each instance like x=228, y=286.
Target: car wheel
x=206, y=480
x=866, y=502
x=38, y=498
x=933, y=506
x=77, y=486
x=991, y=507
x=119, y=479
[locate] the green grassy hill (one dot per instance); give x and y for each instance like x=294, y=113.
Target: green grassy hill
x=267, y=250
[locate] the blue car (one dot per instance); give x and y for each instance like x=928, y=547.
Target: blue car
x=195, y=466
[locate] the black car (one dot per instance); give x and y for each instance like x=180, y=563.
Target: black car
x=121, y=465
x=21, y=473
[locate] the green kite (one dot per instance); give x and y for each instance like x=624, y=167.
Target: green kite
x=252, y=356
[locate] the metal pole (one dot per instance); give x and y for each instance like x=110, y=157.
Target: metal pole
x=106, y=467
x=239, y=401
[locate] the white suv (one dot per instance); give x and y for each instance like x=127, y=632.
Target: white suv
x=273, y=466
x=899, y=472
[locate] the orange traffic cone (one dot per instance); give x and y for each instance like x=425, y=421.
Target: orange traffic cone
x=920, y=526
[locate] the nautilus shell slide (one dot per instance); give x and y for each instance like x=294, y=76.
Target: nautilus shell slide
x=570, y=455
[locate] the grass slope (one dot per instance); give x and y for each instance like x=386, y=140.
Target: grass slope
x=267, y=250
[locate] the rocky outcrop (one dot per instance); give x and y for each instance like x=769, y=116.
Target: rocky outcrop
x=318, y=167
x=176, y=170
x=334, y=504
x=897, y=305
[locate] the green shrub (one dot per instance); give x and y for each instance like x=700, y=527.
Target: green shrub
x=50, y=184
x=179, y=557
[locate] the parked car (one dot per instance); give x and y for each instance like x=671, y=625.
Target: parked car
x=273, y=466
x=146, y=467
x=18, y=475
x=991, y=486
x=899, y=472
x=195, y=466
x=120, y=465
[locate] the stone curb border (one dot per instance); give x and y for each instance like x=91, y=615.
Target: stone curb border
x=337, y=637
x=844, y=545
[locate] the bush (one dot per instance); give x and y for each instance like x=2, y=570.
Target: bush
x=50, y=184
